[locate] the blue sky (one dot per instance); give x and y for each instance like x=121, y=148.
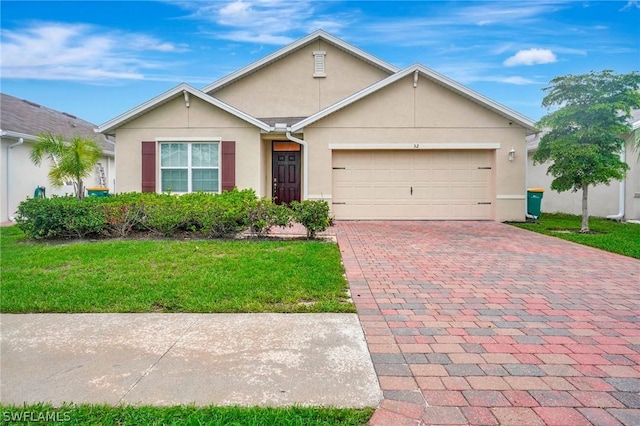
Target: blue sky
x=97, y=60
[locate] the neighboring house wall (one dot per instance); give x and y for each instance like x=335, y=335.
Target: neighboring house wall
x=632, y=199
x=603, y=199
x=26, y=176
x=173, y=120
x=427, y=114
x=287, y=87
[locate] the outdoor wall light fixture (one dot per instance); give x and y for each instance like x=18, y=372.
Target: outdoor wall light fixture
x=512, y=154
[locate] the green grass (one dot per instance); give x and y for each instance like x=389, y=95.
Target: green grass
x=621, y=238
x=170, y=276
x=181, y=415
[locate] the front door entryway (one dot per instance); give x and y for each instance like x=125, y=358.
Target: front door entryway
x=286, y=172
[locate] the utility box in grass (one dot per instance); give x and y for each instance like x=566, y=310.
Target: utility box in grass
x=98, y=191
x=534, y=202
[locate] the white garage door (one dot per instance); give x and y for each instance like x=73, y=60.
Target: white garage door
x=425, y=184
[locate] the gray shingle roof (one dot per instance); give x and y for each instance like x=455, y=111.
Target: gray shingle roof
x=22, y=116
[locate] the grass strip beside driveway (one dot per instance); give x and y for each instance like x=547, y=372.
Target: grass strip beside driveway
x=181, y=415
x=170, y=276
x=622, y=238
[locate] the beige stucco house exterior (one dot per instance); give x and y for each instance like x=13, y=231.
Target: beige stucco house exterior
x=21, y=122
x=619, y=200
x=322, y=119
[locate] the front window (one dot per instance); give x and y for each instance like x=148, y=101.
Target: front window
x=190, y=167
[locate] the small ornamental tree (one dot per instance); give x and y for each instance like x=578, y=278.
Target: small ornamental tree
x=72, y=161
x=584, y=140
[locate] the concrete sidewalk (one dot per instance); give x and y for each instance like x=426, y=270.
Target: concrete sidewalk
x=204, y=359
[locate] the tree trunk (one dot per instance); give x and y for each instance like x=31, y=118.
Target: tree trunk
x=80, y=190
x=585, y=211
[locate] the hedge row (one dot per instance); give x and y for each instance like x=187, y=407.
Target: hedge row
x=200, y=214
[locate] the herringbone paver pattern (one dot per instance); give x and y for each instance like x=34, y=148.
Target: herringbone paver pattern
x=482, y=323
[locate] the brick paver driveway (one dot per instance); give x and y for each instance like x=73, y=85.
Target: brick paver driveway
x=483, y=323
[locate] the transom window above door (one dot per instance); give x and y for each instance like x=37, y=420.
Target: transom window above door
x=189, y=167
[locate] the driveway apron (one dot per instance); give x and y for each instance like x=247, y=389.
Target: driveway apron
x=484, y=323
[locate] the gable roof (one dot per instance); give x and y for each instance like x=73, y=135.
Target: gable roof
x=165, y=97
x=20, y=118
x=434, y=76
x=316, y=35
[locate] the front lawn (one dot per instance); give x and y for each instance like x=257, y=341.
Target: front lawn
x=180, y=415
x=621, y=238
x=170, y=276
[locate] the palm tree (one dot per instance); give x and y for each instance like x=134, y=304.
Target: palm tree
x=72, y=161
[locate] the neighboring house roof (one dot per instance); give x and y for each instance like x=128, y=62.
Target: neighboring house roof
x=20, y=118
x=434, y=76
x=180, y=90
x=320, y=34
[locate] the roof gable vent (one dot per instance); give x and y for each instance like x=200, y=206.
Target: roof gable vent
x=318, y=63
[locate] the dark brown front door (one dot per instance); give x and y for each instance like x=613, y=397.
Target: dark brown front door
x=286, y=176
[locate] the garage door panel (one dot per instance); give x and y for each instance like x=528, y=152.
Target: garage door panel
x=460, y=193
x=461, y=175
x=401, y=176
x=480, y=193
x=441, y=175
x=435, y=185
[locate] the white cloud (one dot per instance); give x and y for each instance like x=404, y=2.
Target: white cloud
x=56, y=51
x=630, y=4
x=531, y=57
x=264, y=21
x=519, y=81
x=510, y=13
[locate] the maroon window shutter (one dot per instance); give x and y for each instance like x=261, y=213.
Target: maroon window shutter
x=148, y=167
x=228, y=165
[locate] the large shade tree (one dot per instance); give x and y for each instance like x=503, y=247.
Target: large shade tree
x=73, y=160
x=584, y=137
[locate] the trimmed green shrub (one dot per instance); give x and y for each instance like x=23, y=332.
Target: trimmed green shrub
x=265, y=214
x=124, y=213
x=217, y=215
x=61, y=217
x=313, y=215
x=162, y=214
x=202, y=214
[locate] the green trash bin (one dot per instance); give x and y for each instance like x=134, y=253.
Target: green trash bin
x=98, y=191
x=534, y=201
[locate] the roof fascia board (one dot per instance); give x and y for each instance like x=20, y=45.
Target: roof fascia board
x=319, y=34
x=111, y=125
x=524, y=121
x=17, y=135
x=31, y=138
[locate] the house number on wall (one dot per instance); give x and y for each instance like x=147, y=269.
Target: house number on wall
x=416, y=145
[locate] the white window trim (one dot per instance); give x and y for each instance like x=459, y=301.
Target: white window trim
x=189, y=139
x=189, y=142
